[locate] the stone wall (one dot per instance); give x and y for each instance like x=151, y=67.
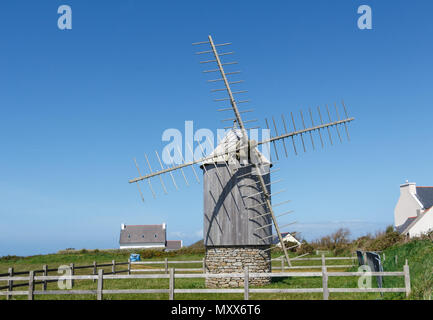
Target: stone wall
x=235, y=259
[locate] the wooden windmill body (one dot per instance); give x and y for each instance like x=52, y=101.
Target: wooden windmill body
x=233, y=240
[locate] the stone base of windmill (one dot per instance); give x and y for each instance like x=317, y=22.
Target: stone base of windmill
x=234, y=260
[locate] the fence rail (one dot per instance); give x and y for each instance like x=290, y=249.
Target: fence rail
x=100, y=277
x=317, y=258
x=281, y=259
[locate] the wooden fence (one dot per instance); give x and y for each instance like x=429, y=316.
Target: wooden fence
x=171, y=291
x=45, y=270
x=281, y=259
x=323, y=260
x=166, y=263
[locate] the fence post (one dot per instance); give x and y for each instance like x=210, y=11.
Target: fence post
x=323, y=260
x=246, y=284
x=325, y=284
x=171, y=284
x=129, y=266
x=166, y=265
x=31, y=284
x=282, y=264
x=204, y=265
x=407, y=279
x=384, y=257
x=94, y=270
x=72, y=273
x=100, y=283
x=10, y=282
x=44, y=284
x=113, y=268
x=395, y=259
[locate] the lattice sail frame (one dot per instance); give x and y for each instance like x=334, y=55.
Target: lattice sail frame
x=245, y=145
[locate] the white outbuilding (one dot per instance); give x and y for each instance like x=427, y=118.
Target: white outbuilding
x=413, y=214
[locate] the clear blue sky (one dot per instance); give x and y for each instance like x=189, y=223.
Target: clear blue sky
x=77, y=106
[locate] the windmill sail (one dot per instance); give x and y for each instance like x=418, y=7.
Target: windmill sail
x=244, y=146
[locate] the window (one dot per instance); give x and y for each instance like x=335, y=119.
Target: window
x=155, y=235
x=129, y=236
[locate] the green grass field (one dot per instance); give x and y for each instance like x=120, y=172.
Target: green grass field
x=87, y=258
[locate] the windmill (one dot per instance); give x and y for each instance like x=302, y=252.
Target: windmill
x=238, y=213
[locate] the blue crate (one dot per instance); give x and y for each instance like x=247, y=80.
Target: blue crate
x=134, y=257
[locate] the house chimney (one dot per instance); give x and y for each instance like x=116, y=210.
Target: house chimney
x=163, y=225
x=122, y=226
x=409, y=187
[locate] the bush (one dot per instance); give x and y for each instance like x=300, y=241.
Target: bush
x=427, y=236
x=385, y=241
x=291, y=245
x=389, y=229
x=10, y=258
x=338, y=242
x=305, y=248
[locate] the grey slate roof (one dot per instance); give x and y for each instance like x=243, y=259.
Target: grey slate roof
x=173, y=244
x=406, y=224
x=143, y=233
x=425, y=196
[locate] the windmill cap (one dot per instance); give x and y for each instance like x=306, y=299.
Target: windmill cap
x=229, y=144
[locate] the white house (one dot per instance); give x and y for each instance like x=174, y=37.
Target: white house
x=413, y=214
x=287, y=237
x=143, y=236
x=152, y=236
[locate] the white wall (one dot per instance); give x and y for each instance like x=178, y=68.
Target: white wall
x=144, y=245
x=424, y=224
x=407, y=204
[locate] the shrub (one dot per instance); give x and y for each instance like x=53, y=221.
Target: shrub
x=427, y=236
x=305, y=248
x=10, y=258
x=389, y=229
x=385, y=241
x=291, y=245
x=336, y=242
